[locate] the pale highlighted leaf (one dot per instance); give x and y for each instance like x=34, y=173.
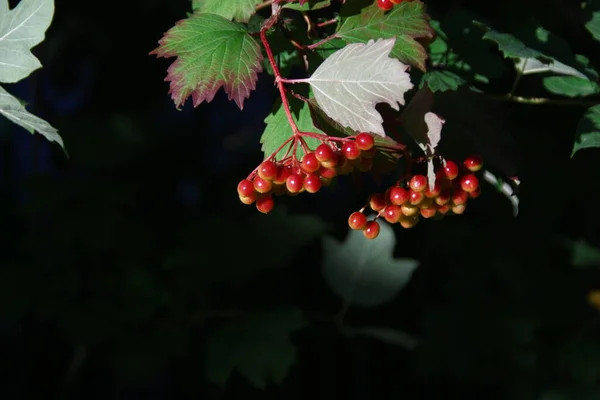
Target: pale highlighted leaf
x=212, y=52
x=350, y=82
x=12, y=109
x=21, y=29
x=258, y=346
x=588, y=130
x=364, y=272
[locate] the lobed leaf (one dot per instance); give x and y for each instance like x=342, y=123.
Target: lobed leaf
x=362, y=271
x=588, y=130
x=21, y=29
x=211, y=52
x=592, y=8
x=441, y=80
x=257, y=346
x=350, y=82
x=405, y=22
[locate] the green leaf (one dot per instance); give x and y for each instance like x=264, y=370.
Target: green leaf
x=278, y=128
x=362, y=271
x=257, y=346
x=311, y=5
x=212, y=52
x=406, y=22
x=588, y=130
x=570, y=86
x=593, y=24
x=441, y=80
x=12, y=109
x=21, y=29
x=239, y=10
x=583, y=254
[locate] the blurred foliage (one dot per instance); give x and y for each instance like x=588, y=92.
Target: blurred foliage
x=131, y=270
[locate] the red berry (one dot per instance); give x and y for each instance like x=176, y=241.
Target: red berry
x=475, y=194
x=435, y=191
x=443, y=209
x=408, y=222
x=385, y=5
x=377, y=202
x=469, y=183
x=312, y=183
x=265, y=204
x=328, y=173
x=371, y=230
x=459, y=196
x=268, y=170
x=324, y=153
x=262, y=185
x=459, y=208
x=409, y=210
x=418, y=183
x=415, y=197
x=294, y=183
x=282, y=175
x=310, y=163
x=392, y=213
x=364, y=141
x=248, y=199
x=428, y=212
x=444, y=197
x=351, y=150
x=245, y=188
x=357, y=220
x=473, y=163
x=333, y=162
x=450, y=170
x=398, y=195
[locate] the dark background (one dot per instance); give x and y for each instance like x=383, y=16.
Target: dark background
x=91, y=306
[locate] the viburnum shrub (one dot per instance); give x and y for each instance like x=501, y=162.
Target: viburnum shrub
x=355, y=55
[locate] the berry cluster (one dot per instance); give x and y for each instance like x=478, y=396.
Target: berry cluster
x=413, y=198
x=316, y=169
x=387, y=5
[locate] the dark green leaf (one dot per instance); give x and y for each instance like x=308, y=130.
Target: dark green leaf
x=570, y=86
x=588, y=130
x=441, y=80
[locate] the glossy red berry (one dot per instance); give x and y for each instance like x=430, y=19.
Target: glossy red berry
x=377, y=202
x=328, y=173
x=364, y=141
x=469, y=183
x=435, y=191
x=310, y=163
x=312, y=183
x=248, y=199
x=459, y=196
x=294, y=183
x=428, y=212
x=450, y=170
x=262, y=185
x=371, y=230
x=333, y=161
x=265, y=204
x=282, y=175
x=415, y=197
x=245, y=188
x=409, y=222
x=443, y=198
x=324, y=152
x=473, y=163
x=351, y=150
x=418, y=183
x=268, y=170
x=392, y=213
x=385, y=5
x=398, y=195
x=357, y=220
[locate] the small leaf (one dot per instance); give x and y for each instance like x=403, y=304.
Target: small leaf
x=441, y=80
x=239, y=10
x=588, y=130
x=21, y=29
x=278, y=128
x=593, y=24
x=349, y=83
x=363, y=271
x=405, y=22
x=258, y=346
x=12, y=109
x=211, y=52
x=570, y=86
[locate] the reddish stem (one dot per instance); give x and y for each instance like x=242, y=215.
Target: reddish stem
x=320, y=42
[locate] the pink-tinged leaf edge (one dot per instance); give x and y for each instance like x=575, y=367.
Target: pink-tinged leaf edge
x=179, y=90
